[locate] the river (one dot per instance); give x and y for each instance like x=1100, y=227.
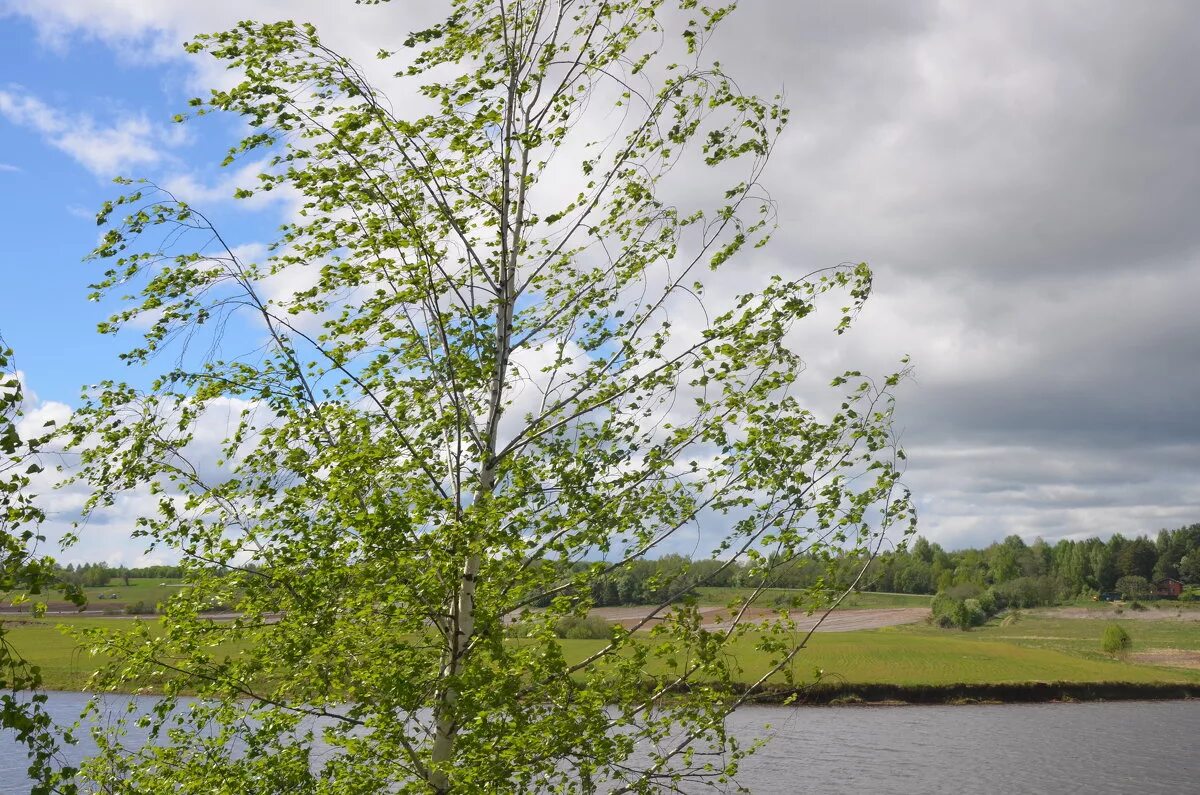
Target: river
x=1114, y=747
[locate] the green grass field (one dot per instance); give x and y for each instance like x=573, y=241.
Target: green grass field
x=64, y=666
x=1079, y=636
x=150, y=592
x=863, y=600
x=1033, y=649
x=116, y=595
x=869, y=599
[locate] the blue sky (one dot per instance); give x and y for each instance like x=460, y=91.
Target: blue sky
x=1021, y=176
x=53, y=184
x=44, y=226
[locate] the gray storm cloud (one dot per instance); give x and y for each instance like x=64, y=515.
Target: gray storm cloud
x=1024, y=179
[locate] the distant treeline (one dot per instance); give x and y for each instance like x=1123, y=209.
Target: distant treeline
x=99, y=575
x=1062, y=570
x=1018, y=574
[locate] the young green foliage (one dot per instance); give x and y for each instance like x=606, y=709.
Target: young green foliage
x=23, y=576
x=468, y=403
x=1115, y=640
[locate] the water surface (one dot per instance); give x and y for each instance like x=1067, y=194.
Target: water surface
x=1116, y=747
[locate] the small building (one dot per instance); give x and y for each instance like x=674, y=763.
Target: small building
x=1168, y=588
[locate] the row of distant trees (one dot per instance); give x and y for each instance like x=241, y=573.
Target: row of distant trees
x=973, y=584
x=1064, y=569
x=1018, y=574
x=99, y=575
x=1021, y=574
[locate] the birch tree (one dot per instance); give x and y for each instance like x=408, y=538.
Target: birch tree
x=485, y=365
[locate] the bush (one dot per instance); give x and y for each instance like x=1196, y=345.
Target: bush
x=139, y=608
x=571, y=627
x=1137, y=606
x=1024, y=592
x=1116, y=640
x=973, y=614
x=948, y=612
x=583, y=628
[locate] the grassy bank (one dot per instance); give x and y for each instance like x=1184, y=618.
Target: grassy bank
x=850, y=694
x=1034, y=658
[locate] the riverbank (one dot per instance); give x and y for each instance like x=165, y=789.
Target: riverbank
x=883, y=694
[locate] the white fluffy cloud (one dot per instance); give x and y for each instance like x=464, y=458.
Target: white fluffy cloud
x=103, y=149
x=197, y=191
x=104, y=533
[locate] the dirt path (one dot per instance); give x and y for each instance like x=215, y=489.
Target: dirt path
x=839, y=621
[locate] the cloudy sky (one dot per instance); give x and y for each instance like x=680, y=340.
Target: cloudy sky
x=1024, y=177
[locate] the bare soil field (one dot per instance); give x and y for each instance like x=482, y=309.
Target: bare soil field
x=838, y=621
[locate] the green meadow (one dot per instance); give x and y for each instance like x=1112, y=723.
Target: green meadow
x=45, y=644
x=114, y=596
x=770, y=596
x=139, y=590
x=1032, y=649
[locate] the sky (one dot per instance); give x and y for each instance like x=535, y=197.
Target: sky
x=1023, y=177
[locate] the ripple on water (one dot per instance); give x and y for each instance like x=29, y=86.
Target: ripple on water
x=1115, y=747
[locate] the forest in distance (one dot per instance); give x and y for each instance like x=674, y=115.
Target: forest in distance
x=1019, y=574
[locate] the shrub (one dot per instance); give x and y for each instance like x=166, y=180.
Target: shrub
x=139, y=608
x=946, y=611
x=973, y=614
x=583, y=628
x=1027, y=592
x=1116, y=640
x=944, y=620
x=1137, y=606
x=572, y=627
x=787, y=600
x=949, y=612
